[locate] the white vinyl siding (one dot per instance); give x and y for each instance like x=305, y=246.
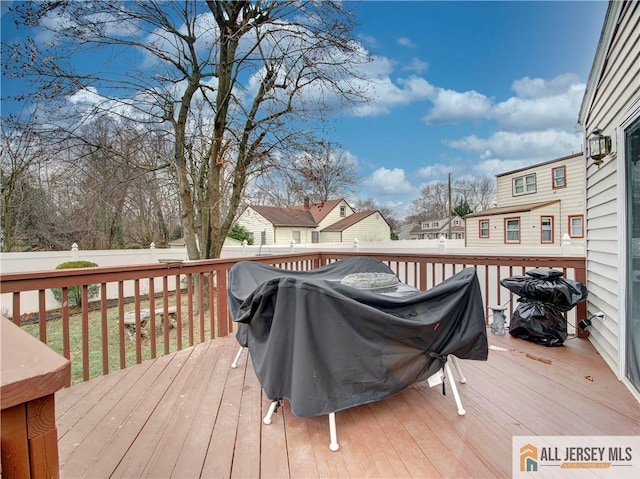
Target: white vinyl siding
x=257, y=225
x=371, y=228
x=612, y=101
x=284, y=234
x=572, y=196
x=334, y=216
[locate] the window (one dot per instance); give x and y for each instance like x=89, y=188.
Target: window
x=263, y=237
x=456, y=222
x=559, y=177
x=425, y=225
x=483, y=227
x=343, y=211
x=576, y=227
x=523, y=185
x=435, y=224
x=295, y=236
x=546, y=229
x=315, y=237
x=512, y=230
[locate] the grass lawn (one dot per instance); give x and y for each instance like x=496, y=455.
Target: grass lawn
x=55, y=338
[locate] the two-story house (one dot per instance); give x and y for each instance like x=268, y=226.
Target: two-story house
x=535, y=206
x=330, y=221
x=437, y=228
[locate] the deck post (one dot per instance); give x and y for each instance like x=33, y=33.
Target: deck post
x=30, y=374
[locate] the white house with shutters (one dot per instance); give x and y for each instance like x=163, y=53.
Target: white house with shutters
x=332, y=221
x=535, y=206
x=611, y=109
x=438, y=228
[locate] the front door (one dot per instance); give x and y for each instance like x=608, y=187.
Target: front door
x=632, y=336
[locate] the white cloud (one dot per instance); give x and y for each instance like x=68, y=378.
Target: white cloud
x=389, y=182
x=540, y=112
x=416, y=65
x=529, y=146
x=539, y=88
x=386, y=94
x=494, y=166
x=406, y=42
x=451, y=106
x=86, y=96
x=436, y=171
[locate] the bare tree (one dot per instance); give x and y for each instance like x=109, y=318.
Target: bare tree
x=260, y=69
x=319, y=174
x=433, y=202
x=22, y=154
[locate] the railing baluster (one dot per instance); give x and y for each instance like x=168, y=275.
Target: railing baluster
x=178, y=298
x=190, y=306
x=42, y=315
x=138, y=314
x=212, y=311
x=105, y=328
x=165, y=316
x=152, y=319
x=85, y=332
x=201, y=305
x=66, y=339
x=123, y=356
x=224, y=327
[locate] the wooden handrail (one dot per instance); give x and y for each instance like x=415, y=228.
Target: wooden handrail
x=197, y=291
x=30, y=374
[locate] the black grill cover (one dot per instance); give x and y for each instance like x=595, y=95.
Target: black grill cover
x=544, y=296
x=326, y=346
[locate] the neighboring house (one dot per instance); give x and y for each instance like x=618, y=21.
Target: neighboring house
x=535, y=206
x=330, y=221
x=611, y=104
x=436, y=228
x=405, y=231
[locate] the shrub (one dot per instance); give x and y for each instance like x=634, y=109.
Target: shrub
x=240, y=233
x=75, y=292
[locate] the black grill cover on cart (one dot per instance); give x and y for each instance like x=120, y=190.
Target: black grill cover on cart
x=327, y=346
x=544, y=296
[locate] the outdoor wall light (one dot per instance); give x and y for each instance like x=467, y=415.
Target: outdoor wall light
x=599, y=146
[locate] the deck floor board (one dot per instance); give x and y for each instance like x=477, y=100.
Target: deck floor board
x=190, y=415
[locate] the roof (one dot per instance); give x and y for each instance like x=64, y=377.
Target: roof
x=350, y=220
x=287, y=216
x=320, y=210
x=511, y=209
x=563, y=158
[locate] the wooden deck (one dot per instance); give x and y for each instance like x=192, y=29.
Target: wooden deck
x=190, y=415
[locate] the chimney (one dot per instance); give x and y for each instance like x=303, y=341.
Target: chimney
x=306, y=202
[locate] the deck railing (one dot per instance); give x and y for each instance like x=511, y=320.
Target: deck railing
x=109, y=332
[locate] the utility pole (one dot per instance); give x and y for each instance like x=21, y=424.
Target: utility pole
x=450, y=209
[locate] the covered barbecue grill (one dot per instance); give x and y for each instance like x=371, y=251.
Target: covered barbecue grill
x=326, y=346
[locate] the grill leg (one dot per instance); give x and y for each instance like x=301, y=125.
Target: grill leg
x=456, y=365
x=454, y=388
x=333, y=445
x=234, y=364
x=272, y=408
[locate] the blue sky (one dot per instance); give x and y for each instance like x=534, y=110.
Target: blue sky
x=467, y=88
x=501, y=86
